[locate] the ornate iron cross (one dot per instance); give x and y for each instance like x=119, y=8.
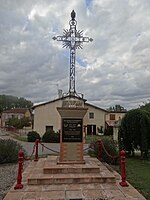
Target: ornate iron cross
x=72, y=39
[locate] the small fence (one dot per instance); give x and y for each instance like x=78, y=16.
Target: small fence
x=16, y=131
x=122, y=158
x=22, y=158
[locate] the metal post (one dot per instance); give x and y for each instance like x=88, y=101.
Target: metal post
x=123, y=183
x=36, y=149
x=19, y=185
x=99, y=149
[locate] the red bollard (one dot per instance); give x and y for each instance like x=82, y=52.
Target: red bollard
x=99, y=149
x=36, y=149
x=20, y=167
x=123, y=183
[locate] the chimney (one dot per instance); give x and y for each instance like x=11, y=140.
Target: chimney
x=60, y=93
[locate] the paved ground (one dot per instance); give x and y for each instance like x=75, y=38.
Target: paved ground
x=71, y=191
x=28, y=146
x=42, y=151
x=4, y=135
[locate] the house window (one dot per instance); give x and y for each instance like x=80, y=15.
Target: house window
x=112, y=116
x=91, y=115
x=48, y=128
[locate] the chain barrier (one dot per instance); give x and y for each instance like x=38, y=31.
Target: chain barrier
x=122, y=157
x=113, y=157
x=86, y=149
x=34, y=148
x=100, y=143
x=21, y=159
x=31, y=154
x=92, y=146
x=48, y=148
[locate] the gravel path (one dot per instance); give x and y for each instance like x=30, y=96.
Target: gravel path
x=8, y=174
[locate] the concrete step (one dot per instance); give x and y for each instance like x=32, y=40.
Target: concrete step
x=66, y=169
x=47, y=179
x=47, y=172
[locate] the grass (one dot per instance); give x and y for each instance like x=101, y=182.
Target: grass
x=138, y=174
x=20, y=138
x=88, y=139
x=92, y=138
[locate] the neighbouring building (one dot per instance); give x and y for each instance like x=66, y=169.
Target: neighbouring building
x=47, y=117
x=116, y=129
x=113, y=122
x=14, y=113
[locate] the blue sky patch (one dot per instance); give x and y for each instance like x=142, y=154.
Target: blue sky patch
x=81, y=62
x=88, y=3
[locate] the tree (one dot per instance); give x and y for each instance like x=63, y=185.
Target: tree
x=134, y=132
x=117, y=108
x=8, y=102
x=14, y=122
x=19, y=123
x=146, y=106
x=25, y=122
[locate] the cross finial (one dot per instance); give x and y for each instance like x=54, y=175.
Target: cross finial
x=73, y=15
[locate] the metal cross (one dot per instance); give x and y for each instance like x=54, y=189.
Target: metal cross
x=72, y=39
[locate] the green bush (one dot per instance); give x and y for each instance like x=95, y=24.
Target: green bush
x=111, y=148
x=32, y=136
x=51, y=136
x=9, y=151
x=108, y=131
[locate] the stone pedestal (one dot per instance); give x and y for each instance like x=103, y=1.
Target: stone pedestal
x=71, y=137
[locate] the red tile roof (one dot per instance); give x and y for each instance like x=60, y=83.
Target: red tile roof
x=17, y=110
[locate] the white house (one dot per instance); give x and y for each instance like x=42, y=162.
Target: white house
x=47, y=117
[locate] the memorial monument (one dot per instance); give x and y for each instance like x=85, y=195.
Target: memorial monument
x=72, y=110
x=68, y=177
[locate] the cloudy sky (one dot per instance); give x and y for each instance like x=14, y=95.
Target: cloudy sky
x=113, y=69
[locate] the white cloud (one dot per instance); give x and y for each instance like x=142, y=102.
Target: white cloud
x=113, y=69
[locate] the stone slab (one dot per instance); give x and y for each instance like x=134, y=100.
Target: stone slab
x=70, y=179
x=68, y=168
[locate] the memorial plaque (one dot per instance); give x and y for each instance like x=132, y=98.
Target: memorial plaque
x=71, y=130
